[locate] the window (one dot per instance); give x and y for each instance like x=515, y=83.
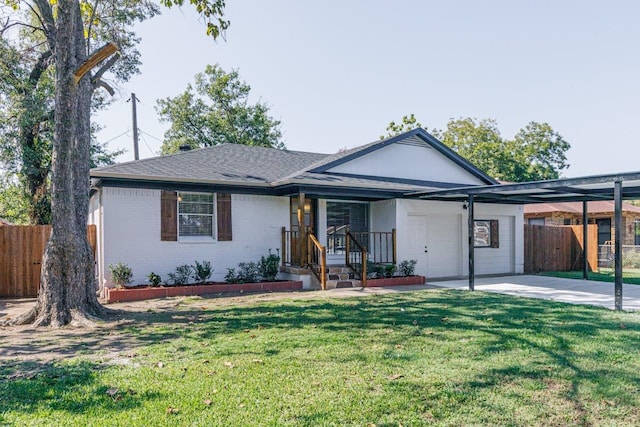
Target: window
x=195, y=214
x=353, y=215
x=342, y=216
x=636, y=232
x=535, y=221
x=485, y=233
x=192, y=215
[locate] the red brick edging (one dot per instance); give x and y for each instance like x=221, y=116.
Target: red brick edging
x=396, y=281
x=142, y=293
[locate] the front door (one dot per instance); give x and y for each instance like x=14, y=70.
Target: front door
x=436, y=243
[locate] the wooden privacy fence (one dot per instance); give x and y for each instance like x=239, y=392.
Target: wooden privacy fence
x=558, y=248
x=21, y=251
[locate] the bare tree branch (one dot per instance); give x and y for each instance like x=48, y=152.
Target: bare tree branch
x=46, y=17
x=104, y=85
x=105, y=67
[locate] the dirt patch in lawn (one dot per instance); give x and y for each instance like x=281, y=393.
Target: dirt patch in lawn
x=110, y=338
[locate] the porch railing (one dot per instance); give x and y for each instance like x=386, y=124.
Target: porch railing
x=381, y=245
x=290, y=247
x=317, y=260
x=356, y=257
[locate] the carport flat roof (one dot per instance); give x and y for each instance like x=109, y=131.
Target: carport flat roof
x=597, y=187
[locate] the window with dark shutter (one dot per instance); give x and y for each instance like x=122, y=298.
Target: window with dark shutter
x=485, y=233
x=224, y=217
x=495, y=240
x=169, y=216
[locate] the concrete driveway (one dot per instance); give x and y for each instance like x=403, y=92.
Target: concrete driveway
x=565, y=290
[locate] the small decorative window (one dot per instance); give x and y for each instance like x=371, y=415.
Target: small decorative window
x=485, y=233
x=195, y=214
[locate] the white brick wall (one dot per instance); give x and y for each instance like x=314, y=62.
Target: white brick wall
x=508, y=258
x=132, y=234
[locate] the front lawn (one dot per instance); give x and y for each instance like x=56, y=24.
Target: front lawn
x=629, y=276
x=440, y=357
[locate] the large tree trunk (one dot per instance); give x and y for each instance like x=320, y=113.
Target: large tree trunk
x=67, y=287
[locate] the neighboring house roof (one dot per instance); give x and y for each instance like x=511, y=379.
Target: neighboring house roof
x=575, y=208
x=4, y=222
x=268, y=168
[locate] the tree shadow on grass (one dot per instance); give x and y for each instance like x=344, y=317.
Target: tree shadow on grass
x=29, y=387
x=551, y=331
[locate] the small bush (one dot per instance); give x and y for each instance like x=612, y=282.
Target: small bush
x=247, y=272
x=121, y=274
x=231, y=276
x=154, y=279
x=389, y=269
x=202, y=272
x=182, y=275
x=375, y=271
x=631, y=260
x=408, y=267
x=269, y=267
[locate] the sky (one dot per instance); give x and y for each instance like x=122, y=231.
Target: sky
x=337, y=72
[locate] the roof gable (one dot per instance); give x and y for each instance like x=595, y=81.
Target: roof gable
x=414, y=155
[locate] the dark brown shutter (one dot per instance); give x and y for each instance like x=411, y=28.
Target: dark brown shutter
x=224, y=217
x=495, y=240
x=169, y=216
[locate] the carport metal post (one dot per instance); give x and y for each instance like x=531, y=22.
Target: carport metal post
x=585, y=241
x=617, y=201
x=471, y=243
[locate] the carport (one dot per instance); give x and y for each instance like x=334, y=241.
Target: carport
x=614, y=187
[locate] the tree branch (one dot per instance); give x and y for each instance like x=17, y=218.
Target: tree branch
x=104, y=85
x=39, y=68
x=48, y=23
x=105, y=67
x=97, y=57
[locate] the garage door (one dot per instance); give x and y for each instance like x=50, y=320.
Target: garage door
x=436, y=242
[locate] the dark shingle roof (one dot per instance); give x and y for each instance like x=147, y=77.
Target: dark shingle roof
x=221, y=163
x=242, y=165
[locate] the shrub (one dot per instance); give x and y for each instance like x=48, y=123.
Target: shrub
x=182, y=275
x=247, y=272
x=120, y=274
x=269, y=267
x=375, y=271
x=408, y=267
x=202, y=272
x=231, y=276
x=389, y=269
x=154, y=279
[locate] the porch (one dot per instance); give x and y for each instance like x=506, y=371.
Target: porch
x=356, y=254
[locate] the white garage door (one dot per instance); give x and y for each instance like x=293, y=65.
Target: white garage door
x=436, y=242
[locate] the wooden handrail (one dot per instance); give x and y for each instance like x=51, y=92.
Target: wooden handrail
x=363, y=257
x=321, y=253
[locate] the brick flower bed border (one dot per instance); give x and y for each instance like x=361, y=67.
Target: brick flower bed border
x=396, y=281
x=143, y=293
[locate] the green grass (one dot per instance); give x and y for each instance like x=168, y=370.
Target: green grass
x=629, y=276
x=444, y=357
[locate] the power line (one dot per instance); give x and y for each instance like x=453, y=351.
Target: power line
x=116, y=137
x=149, y=135
x=145, y=143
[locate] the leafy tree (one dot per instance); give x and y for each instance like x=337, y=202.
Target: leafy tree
x=27, y=85
x=537, y=152
x=540, y=153
x=408, y=123
x=13, y=203
x=215, y=111
x=67, y=288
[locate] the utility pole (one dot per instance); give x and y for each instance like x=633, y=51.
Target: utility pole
x=134, y=116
